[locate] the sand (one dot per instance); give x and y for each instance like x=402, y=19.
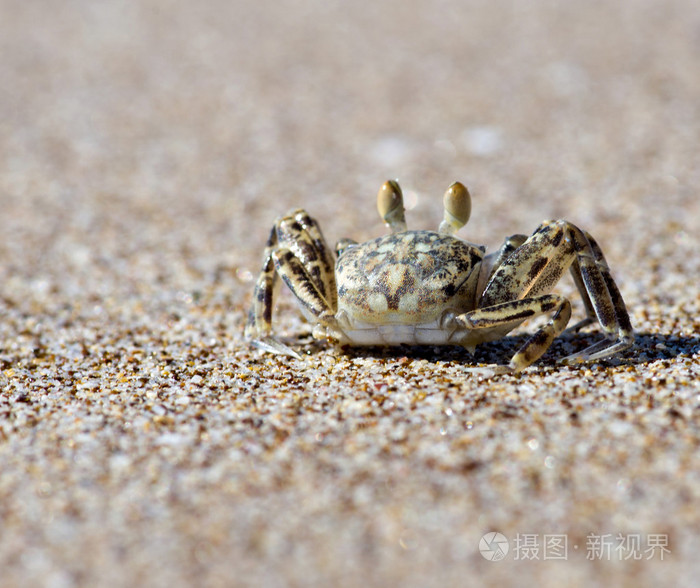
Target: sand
x=147, y=149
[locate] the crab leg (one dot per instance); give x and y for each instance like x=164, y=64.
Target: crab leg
x=296, y=252
x=538, y=264
x=259, y=323
x=494, y=260
x=302, y=285
x=589, y=270
x=301, y=234
x=510, y=314
x=621, y=316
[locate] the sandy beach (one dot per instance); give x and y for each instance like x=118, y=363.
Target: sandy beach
x=146, y=150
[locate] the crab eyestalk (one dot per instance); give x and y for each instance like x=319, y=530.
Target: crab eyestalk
x=458, y=208
x=390, y=206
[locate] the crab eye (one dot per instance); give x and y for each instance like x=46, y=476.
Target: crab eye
x=390, y=206
x=458, y=208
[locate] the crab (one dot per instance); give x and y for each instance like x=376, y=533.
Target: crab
x=418, y=287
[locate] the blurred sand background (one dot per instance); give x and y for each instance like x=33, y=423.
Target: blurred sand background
x=145, y=150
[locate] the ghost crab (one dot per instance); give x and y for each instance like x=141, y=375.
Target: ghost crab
x=432, y=288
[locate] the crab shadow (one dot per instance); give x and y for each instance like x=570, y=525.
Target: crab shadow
x=648, y=348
